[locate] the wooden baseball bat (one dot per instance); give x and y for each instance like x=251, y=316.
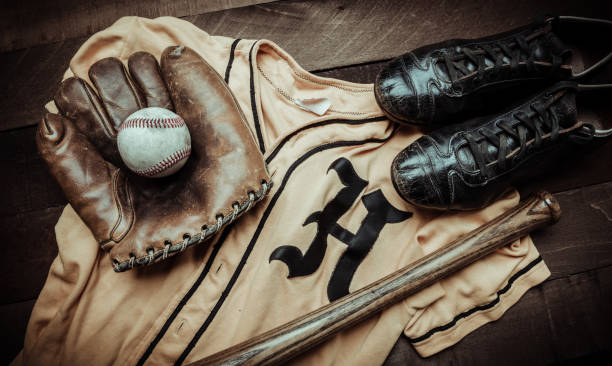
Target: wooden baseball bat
x=286, y=341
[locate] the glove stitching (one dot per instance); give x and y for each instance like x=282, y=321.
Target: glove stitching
x=170, y=249
x=166, y=250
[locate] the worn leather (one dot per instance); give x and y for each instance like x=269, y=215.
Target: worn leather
x=136, y=219
x=440, y=170
x=417, y=87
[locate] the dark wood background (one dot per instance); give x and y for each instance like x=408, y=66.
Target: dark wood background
x=567, y=319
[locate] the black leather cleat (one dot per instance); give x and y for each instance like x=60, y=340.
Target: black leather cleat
x=467, y=165
x=453, y=80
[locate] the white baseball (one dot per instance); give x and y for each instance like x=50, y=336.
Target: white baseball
x=154, y=142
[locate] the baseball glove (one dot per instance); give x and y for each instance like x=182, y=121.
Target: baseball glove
x=140, y=220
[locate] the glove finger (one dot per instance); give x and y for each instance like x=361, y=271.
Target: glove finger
x=220, y=136
x=200, y=95
x=78, y=102
x=118, y=94
x=95, y=188
x=146, y=75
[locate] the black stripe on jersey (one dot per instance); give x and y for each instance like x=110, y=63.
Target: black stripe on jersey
x=319, y=124
x=467, y=313
x=231, y=60
x=260, y=226
x=262, y=147
x=185, y=298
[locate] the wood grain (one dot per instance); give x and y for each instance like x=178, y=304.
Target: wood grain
x=338, y=32
x=35, y=22
x=285, y=342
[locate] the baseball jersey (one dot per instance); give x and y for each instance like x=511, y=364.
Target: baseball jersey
x=332, y=223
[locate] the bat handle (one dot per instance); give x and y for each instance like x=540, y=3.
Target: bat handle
x=286, y=341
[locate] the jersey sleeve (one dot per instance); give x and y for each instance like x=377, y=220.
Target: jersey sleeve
x=481, y=292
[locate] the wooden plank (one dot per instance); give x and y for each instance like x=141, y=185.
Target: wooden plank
x=564, y=319
x=31, y=78
x=329, y=34
x=584, y=168
x=321, y=35
x=34, y=22
x=582, y=239
x=339, y=33
x=361, y=73
x=30, y=187
x=13, y=321
x=29, y=241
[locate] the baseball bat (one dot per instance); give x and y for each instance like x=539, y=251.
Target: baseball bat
x=286, y=341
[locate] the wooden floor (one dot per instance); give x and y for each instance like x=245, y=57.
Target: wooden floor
x=567, y=319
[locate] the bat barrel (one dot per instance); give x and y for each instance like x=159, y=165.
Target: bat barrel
x=284, y=342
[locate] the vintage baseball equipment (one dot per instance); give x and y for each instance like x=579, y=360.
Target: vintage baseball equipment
x=140, y=221
x=285, y=342
x=331, y=224
x=154, y=142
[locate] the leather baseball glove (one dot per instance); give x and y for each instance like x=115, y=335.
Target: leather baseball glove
x=140, y=220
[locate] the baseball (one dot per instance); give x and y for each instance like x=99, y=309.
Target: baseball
x=154, y=142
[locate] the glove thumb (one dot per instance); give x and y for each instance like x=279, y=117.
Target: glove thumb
x=96, y=189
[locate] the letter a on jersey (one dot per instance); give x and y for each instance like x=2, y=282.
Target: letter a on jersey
x=380, y=213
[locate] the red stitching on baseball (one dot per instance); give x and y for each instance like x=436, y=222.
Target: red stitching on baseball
x=166, y=163
x=152, y=123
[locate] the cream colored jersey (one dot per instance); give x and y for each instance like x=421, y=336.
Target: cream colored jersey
x=331, y=224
